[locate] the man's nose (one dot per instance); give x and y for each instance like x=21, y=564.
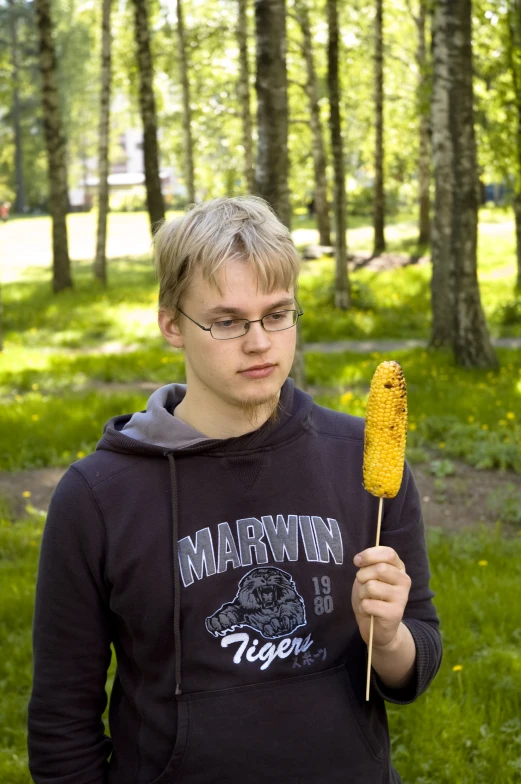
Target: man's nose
x=256, y=336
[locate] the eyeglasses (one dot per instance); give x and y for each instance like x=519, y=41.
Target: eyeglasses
x=236, y=328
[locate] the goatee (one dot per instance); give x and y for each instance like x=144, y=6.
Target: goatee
x=258, y=412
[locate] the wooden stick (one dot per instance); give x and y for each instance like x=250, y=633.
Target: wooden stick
x=370, y=646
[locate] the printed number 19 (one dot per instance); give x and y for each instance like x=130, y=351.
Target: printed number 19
x=323, y=601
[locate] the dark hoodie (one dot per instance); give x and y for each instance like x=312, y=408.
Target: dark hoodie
x=221, y=570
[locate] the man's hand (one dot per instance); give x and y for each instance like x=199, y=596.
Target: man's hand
x=381, y=588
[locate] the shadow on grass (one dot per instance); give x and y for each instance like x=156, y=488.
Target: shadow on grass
x=87, y=314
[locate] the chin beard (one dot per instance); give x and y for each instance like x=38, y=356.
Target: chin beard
x=266, y=409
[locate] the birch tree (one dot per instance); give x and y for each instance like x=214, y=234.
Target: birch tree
x=187, y=112
x=317, y=136
x=441, y=294
x=379, y=195
x=13, y=21
x=514, y=59
x=456, y=233
x=100, y=264
x=271, y=172
x=155, y=204
x=342, y=289
x=243, y=91
x=424, y=228
x=56, y=150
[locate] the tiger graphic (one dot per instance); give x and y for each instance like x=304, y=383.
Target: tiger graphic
x=267, y=601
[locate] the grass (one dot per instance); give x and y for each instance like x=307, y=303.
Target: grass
x=50, y=413
x=466, y=728
x=393, y=304
x=58, y=346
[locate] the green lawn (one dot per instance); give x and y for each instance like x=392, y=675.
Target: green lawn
x=466, y=728
x=392, y=304
x=49, y=413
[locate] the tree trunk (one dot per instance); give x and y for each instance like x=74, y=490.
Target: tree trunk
x=243, y=90
x=19, y=204
x=271, y=173
x=470, y=340
x=342, y=289
x=514, y=57
x=187, y=112
x=379, y=195
x=423, y=157
x=155, y=204
x=517, y=214
x=100, y=263
x=441, y=295
x=317, y=136
x=56, y=152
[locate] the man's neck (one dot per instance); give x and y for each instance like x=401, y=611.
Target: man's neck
x=216, y=421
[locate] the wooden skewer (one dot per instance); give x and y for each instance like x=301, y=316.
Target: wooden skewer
x=370, y=646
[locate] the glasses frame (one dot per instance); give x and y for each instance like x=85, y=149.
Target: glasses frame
x=299, y=313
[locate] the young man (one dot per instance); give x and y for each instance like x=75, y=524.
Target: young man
x=213, y=539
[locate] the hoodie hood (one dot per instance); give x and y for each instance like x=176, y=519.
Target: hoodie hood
x=157, y=429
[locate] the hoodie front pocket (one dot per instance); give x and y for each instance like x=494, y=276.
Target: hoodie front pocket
x=301, y=730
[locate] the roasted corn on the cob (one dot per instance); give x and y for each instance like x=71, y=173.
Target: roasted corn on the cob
x=385, y=431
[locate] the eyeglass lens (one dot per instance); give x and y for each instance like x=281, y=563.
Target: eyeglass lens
x=273, y=322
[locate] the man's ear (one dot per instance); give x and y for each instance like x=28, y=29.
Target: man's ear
x=169, y=329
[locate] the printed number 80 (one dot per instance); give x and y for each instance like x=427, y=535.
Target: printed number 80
x=323, y=603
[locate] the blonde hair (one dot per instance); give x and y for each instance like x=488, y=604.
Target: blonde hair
x=242, y=228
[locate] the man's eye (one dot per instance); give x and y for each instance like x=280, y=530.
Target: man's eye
x=277, y=316
x=228, y=323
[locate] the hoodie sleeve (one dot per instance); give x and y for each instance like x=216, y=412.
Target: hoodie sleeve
x=71, y=643
x=403, y=530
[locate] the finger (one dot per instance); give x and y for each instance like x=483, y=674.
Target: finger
x=380, y=554
x=385, y=573
x=375, y=589
x=383, y=611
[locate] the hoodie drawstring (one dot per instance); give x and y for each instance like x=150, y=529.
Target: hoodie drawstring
x=177, y=575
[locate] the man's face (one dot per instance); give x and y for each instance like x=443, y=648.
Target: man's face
x=214, y=368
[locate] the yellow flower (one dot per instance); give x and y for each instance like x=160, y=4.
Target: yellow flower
x=412, y=426
x=80, y=454
x=18, y=398
x=457, y=668
x=26, y=494
x=35, y=417
x=502, y=421
x=482, y=563
x=442, y=445
x=511, y=415
x=164, y=360
x=346, y=397
x=484, y=427
x=470, y=419
x=35, y=387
